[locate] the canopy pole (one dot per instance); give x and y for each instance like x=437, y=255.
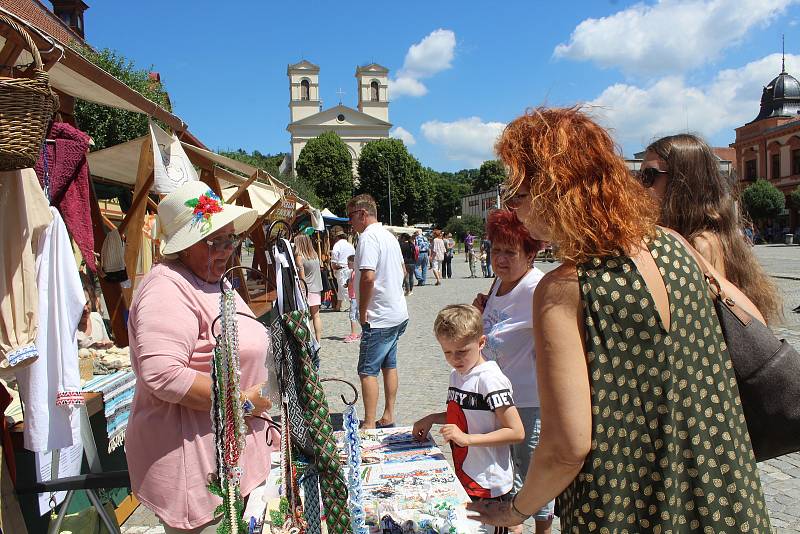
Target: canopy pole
x=135, y=216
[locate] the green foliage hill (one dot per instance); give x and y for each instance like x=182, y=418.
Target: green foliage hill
x=325, y=164
x=110, y=126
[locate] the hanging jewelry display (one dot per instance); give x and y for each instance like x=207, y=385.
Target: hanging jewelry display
x=227, y=420
x=353, y=445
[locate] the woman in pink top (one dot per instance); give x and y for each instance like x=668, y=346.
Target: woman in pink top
x=169, y=442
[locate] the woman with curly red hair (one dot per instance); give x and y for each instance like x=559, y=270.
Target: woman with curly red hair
x=642, y=424
x=508, y=326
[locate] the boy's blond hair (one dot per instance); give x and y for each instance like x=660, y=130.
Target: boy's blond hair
x=459, y=322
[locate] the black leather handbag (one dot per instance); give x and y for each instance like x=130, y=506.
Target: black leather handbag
x=768, y=373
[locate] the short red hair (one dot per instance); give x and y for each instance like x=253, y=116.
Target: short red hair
x=504, y=227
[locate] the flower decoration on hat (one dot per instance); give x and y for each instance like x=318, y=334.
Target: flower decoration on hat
x=204, y=206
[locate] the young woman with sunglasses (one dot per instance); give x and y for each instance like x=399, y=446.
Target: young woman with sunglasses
x=682, y=174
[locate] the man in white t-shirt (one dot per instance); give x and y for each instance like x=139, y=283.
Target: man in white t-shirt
x=382, y=308
x=340, y=251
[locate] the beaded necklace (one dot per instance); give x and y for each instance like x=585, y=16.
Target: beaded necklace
x=227, y=419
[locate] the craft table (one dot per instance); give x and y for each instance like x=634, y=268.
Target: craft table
x=408, y=481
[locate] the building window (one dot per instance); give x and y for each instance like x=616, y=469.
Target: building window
x=374, y=94
x=776, y=166
x=796, y=161
x=304, y=90
x=750, y=169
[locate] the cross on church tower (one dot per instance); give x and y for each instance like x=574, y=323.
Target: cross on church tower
x=341, y=94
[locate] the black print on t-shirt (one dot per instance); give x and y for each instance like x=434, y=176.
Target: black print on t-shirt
x=468, y=400
x=496, y=399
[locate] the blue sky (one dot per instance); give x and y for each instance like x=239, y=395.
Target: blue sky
x=460, y=70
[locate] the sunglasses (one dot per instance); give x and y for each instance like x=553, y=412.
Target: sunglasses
x=219, y=244
x=648, y=175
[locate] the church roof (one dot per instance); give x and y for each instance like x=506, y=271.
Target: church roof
x=780, y=98
x=352, y=117
x=372, y=68
x=303, y=65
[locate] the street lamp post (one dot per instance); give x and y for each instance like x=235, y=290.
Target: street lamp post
x=389, y=180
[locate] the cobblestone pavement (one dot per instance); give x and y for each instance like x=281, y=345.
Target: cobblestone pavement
x=424, y=372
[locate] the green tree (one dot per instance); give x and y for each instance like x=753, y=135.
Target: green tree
x=447, y=192
x=325, y=163
x=459, y=225
x=271, y=163
x=490, y=175
x=794, y=198
x=111, y=126
x=411, y=187
x=763, y=200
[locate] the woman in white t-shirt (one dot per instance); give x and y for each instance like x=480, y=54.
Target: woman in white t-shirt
x=508, y=324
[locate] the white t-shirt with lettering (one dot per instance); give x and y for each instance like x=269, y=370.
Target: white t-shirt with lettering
x=471, y=403
x=508, y=325
x=378, y=250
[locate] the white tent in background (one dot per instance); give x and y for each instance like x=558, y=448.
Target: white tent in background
x=328, y=213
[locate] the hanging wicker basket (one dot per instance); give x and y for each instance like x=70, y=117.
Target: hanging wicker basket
x=26, y=107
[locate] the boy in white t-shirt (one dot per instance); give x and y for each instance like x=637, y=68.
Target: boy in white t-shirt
x=479, y=401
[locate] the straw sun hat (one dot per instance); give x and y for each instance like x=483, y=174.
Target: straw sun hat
x=193, y=212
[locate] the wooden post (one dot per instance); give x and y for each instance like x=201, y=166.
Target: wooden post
x=135, y=216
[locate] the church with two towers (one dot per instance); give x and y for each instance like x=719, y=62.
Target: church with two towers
x=356, y=127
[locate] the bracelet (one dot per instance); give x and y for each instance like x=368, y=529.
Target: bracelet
x=516, y=510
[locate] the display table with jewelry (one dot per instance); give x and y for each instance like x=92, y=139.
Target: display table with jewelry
x=407, y=485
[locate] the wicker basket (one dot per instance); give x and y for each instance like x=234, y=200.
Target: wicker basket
x=26, y=107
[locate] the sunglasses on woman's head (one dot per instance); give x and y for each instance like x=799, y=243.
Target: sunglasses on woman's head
x=224, y=241
x=648, y=175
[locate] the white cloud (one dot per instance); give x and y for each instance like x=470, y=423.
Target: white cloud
x=638, y=115
x=403, y=134
x=431, y=55
x=407, y=86
x=670, y=36
x=469, y=140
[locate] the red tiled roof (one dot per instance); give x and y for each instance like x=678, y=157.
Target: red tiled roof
x=725, y=154
x=38, y=15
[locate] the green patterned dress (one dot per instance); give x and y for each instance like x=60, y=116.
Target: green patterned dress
x=670, y=450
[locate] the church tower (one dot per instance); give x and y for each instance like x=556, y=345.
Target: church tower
x=373, y=91
x=303, y=90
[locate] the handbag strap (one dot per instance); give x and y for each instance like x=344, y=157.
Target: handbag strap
x=714, y=287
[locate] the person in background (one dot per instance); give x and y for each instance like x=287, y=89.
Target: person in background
x=469, y=243
x=508, y=323
x=382, y=309
x=92, y=332
x=641, y=416
x=423, y=259
x=486, y=248
x=169, y=443
x=307, y=261
x=697, y=201
x=407, y=248
x=341, y=250
x=481, y=419
x=437, y=256
x=484, y=263
x=449, y=251
x=351, y=292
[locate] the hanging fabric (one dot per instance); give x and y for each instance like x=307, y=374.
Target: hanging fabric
x=352, y=443
x=24, y=215
x=171, y=165
x=64, y=169
x=112, y=257
x=227, y=419
x=50, y=388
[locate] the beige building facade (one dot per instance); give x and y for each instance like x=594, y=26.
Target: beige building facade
x=356, y=127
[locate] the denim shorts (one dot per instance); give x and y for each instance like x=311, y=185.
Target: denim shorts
x=378, y=348
x=522, y=453
x=354, y=310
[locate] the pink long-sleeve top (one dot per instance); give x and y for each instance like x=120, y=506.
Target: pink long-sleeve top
x=170, y=448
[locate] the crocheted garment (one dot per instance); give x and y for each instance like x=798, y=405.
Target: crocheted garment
x=68, y=185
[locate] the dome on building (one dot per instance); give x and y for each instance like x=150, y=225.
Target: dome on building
x=781, y=98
